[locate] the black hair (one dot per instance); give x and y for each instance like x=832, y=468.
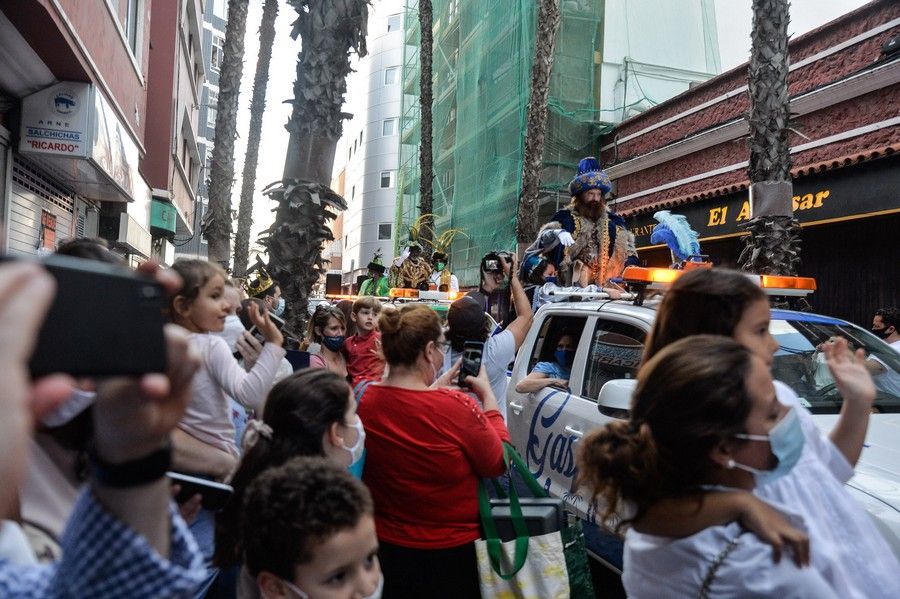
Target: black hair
x=890, y=317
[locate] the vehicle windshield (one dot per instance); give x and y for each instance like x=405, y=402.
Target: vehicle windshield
x=800, y=363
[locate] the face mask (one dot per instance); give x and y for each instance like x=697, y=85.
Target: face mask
x=565, y=356
x=279, y=307
x=439, y=266
x=356, y=451
x=786, y=439
x=232, y=331
x=376, y=594
x=882, y=333
x=550, y=280
x=333, y=343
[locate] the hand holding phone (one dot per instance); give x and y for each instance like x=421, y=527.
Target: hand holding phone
x=266, y=326
x=471, y=361
x=215, y=495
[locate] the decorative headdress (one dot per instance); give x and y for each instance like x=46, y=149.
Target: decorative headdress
x=675, y=231
x=376, y=265
x=590, y=176
x=441, y=245
x=255, y=286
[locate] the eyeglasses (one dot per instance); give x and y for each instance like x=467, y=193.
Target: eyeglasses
x=444, y=345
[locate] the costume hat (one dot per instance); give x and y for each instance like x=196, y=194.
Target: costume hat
x=375, y=265
x=590, y=176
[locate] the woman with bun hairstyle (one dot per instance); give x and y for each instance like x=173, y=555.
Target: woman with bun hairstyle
x=847, y=548
x=310, y=413
x=426, y=450
x=700, y=407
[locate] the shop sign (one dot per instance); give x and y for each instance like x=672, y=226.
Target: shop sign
x=56, y=120
x=163, y=215
x=847, y=192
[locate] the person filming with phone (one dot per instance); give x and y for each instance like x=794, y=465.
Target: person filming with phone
x=425, y=442
x=468, y=323
x=125, y=538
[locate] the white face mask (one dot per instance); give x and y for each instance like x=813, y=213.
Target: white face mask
x=356, y=451
x=376, y=594
x=232, y=331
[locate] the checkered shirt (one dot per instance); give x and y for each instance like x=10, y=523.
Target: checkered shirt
x=104, y=559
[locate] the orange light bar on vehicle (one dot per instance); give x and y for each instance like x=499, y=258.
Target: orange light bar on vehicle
x=403, y=292
x=339, y=296
x=650, y=276
x=454, y=295
x=807, y=284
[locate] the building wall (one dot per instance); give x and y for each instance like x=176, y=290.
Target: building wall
x=365, y=152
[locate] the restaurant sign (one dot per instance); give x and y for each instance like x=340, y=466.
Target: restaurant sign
x=845, y=193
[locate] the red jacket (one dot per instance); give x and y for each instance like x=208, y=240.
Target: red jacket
x=425, y=453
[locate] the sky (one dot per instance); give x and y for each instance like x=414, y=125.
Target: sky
x=733, y=21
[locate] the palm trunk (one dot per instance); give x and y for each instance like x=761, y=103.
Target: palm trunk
x=536, y=128
x=426, y=99
x=329, y=30
x=773, y=246
x=257, y=109
x=217, y=223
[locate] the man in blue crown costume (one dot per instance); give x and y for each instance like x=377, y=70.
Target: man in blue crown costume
x=593, y=243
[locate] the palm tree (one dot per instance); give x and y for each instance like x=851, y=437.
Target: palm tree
x=257, y=108
x=773, y=246
x=426, y=158
x=329, y=30
x=536, y=127
x=217, y=222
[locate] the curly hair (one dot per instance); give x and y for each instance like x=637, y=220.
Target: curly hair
x=292, y=508
x=299, y=409
x=690, y=397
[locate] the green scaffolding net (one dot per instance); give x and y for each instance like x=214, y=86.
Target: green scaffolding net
x=483, y=51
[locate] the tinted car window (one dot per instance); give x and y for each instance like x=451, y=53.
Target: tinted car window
x=800, y=363
x=615, y=353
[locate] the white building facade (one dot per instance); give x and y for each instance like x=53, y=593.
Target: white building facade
x=368, y=152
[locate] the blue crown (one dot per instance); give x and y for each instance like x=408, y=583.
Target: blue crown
x=590, y=176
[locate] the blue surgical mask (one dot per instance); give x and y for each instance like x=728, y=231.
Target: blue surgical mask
x=786, y=439
x=564, y=357
x=358, y=451
x=551, y=279
x=334, y=343
x=279, y=307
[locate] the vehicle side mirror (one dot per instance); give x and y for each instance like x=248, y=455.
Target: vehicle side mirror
x=614, y=399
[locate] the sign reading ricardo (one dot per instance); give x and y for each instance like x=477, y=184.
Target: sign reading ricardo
x=55, y=120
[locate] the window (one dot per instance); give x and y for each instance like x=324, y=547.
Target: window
x=349, y=153
x=395, y=22
x=360, y=138
x=207, y=166
x=387, y=179
x=389, y=127
x=553, y=329
x=212, y=103
x=391, y=75
x=219, y=8
x=130, y=24
x=345, y=241
x=354, y=145
x=215, y=59
x=615, y=353
x=384, y=231
x=353, y=192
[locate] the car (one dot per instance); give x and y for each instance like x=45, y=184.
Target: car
x=546, y=426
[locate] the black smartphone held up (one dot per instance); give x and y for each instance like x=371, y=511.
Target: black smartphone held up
x=215, y=495
x=105, y=320
x=471, y=361
x=279, y=322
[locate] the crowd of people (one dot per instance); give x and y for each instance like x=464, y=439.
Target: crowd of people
x=358, y=475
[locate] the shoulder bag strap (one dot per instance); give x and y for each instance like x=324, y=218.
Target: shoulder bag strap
x=492, y=538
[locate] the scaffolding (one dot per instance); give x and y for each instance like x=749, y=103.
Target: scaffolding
x=483, y=50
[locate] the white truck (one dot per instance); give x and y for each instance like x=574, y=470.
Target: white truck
x=609, y=336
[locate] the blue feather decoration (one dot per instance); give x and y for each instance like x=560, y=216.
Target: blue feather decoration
x=675, y=231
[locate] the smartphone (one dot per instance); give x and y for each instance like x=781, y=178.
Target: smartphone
x=105, y=320
x=279, y=322
x=215, y=495
x=471, y=361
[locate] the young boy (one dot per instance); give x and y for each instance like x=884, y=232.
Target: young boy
x=363, y=350
x=308, y=531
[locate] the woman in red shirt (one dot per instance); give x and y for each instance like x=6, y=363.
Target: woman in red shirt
x=427, y=448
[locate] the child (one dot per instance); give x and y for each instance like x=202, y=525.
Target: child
x=307, y=532
x=363, y=350
x=201, y=307
x=847, y=547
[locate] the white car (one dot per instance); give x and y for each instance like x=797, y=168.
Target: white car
x=546, y=426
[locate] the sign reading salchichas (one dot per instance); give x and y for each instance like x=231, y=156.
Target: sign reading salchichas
x=852, y=192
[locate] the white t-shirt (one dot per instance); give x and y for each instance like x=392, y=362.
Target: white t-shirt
x=846, y=547
x=657, y=567
x=208, y=416
x=888, y=381
x=499, y=351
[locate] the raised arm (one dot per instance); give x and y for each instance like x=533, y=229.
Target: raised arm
x=520, y=326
